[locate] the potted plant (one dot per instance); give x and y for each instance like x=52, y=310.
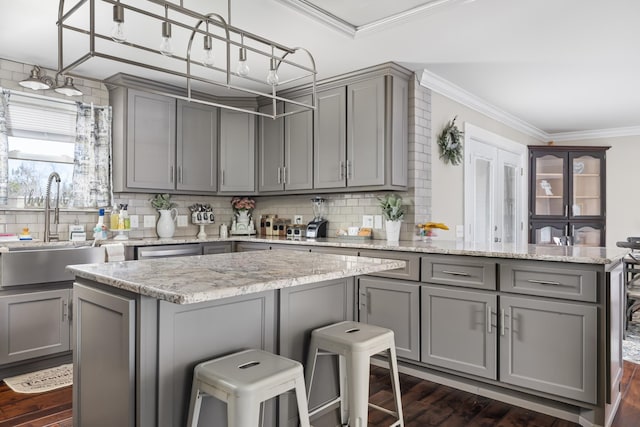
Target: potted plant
x=393, y=212
x=166, y=223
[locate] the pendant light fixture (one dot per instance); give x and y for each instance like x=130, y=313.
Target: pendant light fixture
x=117, y=30
x=243, y=67
x=68, y=88
x=272, y=76
x=165, y=46
x=207, y=56
x=37, y=81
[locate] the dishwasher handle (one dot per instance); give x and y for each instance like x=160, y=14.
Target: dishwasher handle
x=166, y=252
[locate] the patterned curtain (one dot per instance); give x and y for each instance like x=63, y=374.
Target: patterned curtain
x=92, y=158
x=4, y=147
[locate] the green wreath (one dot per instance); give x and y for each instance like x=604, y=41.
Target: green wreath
x=450, y=143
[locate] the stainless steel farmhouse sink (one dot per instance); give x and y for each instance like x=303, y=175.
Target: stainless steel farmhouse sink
x=27, y=265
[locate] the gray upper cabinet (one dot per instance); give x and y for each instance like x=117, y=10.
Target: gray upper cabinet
x=197, y=147
x=361, y=135
x=237, y=152
x=163, y=146
x=150, y=141
x=286, y=150
x=569, y=332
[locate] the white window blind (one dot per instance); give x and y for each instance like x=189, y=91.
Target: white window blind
x=50, y=119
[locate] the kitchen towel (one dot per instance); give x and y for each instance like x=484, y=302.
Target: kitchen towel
x=115, y=252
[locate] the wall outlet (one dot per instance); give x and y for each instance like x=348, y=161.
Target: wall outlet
x=297, y=219
x=377, y=222
x=367, y=221
x=134, y=221
x=149, y=221
x=182, y=221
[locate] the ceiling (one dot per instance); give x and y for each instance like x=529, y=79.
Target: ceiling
x=559, y=66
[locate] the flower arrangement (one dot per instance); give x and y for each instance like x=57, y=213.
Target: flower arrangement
x=163, y=202
x=392, y=208
x=240, y=204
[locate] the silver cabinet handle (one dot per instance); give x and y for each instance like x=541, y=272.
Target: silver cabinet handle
x=279, y=179
x=284, y=175
x=64, y=310
x=341, y=169
x=222, y=177
x=566, y=210
x=171, y=174
x=502, y=321
x=348, y=169
x=544, y=282
x=488, y=319
x=180, y=174
x=456, y=273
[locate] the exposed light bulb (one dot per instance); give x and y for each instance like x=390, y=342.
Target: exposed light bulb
x=207, y=54
x=117, y=31
x=243, y=67
x=272, y=77
x=165, y=46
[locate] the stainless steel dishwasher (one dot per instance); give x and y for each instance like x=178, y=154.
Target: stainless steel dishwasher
x=167, y=251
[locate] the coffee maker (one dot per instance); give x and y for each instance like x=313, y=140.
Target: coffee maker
x=318, y=226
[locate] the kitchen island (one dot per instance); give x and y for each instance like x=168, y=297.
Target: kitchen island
x=534, y=326
x=141, y=326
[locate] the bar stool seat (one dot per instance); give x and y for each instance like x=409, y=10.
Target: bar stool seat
x=244, y=380
x=355, y=343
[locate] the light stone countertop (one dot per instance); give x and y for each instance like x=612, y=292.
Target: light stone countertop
x=187, y=280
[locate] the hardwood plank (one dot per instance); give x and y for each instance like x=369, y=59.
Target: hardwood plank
x=629, y=412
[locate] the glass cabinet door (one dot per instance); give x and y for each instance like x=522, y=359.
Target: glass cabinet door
x=586, y=186
x=587, y=234
x=549, y=185
x=549, y=233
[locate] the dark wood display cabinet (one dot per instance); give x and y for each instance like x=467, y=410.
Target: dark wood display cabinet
x=567, y=195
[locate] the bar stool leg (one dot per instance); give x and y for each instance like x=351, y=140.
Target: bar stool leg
x=303, y=409
x=310, y=367
x=344, y=399
x=243, y=412
x=194, y=405
x=358, y=393
x=395, y=383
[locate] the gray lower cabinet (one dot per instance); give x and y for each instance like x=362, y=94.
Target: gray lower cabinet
x=458, y=330
x=567, y=329
x=392, y=304
x=237, y=152
x=302, y=309
x=34, y=324
x=104, y=390
x=197, y=147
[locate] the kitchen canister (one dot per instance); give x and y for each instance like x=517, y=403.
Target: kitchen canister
x=224, y=231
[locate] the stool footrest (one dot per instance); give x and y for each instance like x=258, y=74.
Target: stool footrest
x=385, y=410
x=324, y=406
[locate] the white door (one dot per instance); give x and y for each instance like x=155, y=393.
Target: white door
x=494, y=188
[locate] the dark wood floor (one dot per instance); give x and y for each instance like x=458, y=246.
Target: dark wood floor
x=424, y=404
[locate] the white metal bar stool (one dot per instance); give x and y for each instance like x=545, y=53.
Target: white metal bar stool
x=355, y=343
x=244, y=380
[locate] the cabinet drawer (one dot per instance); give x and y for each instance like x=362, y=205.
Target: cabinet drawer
x=549, y=279
x=411, y=271
x=459, y=271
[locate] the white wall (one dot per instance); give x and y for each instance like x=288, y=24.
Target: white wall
x=623, y=185
x=448, y=180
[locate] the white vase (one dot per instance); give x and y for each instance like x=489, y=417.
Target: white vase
x=393, y=230
x=242, y=223
x=166, y=225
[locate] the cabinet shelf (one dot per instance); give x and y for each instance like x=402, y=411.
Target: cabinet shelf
x=545, y=175
x=586, y=175
x=549, y=197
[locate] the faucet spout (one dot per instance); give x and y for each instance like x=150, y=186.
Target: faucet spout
x=48, y=236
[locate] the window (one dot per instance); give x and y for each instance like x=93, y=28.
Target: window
x=43, y=135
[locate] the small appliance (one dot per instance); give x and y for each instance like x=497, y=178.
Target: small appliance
x=318, y=226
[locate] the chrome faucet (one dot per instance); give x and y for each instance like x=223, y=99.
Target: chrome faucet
x=48, y=236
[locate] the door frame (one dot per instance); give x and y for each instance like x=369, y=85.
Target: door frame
x=473, y=135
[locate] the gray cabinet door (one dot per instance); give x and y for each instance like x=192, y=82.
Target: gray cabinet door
x=237, y=151
x=330, y=139
x=298, y=149
x=366, y=133
x=33, y=324
x=271, y=151
x=303, y=309
x=568, y=331
x=197, y=147
x=458, y=330
x=104, y=390
x=151, y=141
x=393, y=304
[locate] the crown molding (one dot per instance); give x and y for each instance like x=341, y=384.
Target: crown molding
x=595, y=134
x=444, y=87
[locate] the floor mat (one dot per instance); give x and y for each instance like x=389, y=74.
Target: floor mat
x=41, y=381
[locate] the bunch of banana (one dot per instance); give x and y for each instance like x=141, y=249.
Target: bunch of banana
x=431, y=225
